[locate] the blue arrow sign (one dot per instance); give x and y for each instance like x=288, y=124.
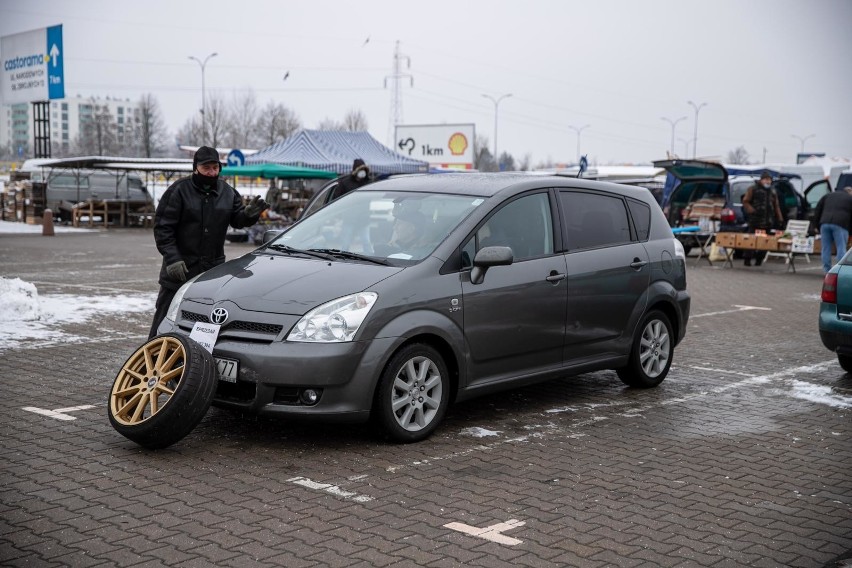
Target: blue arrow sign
x=236, y=158
x=55, y=68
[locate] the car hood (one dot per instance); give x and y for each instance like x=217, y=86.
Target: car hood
x=284, y=285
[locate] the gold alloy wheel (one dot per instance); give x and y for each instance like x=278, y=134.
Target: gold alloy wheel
x=147, y=381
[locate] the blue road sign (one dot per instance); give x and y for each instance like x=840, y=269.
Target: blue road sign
x=236, y=158
x=55, y=67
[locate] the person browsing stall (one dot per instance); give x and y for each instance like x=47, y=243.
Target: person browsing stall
x=833, y=218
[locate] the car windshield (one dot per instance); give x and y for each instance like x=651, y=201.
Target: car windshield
x=401, y=227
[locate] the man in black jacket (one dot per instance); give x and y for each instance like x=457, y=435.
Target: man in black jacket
x=190, y=225
x=833, y=217
x=358, y=177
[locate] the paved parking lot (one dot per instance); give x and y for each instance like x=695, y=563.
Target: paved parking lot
x=742, y=457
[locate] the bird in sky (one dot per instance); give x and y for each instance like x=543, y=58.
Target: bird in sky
x=287, y=74
x=366, y=41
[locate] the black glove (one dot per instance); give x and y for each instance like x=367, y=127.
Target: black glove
x=256, y=206
x=177, y=271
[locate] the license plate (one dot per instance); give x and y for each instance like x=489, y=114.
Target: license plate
x=227, y=369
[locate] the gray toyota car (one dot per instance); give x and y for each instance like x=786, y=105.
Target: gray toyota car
x=404, y=296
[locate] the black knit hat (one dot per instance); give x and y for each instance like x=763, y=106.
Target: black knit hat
x=205, y=155
x=765, y=174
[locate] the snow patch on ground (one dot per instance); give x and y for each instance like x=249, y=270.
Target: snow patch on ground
x=819, y=394
x=8, y=227
x=478, y=432
x=25, y=316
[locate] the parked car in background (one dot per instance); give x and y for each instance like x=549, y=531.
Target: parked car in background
x=835, y=311
x=399, y=298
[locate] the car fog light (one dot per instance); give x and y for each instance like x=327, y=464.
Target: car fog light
x=310, y=396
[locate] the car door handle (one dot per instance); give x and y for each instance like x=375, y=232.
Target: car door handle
x=555, y=277
x=637, y=264
x=844, y=317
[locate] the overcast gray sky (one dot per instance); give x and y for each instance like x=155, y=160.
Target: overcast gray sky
x=766, y=69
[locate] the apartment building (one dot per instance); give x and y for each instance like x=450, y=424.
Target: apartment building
x=68, y=118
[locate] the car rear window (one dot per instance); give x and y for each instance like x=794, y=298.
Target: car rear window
x=641, y=214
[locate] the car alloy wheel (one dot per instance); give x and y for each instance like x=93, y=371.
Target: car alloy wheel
x=651, y=354
x=162, y=391
x=413, y=393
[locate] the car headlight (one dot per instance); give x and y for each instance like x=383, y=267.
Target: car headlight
x=334, y=321
x=172, y=314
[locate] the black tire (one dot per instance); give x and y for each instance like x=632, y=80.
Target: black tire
x=163, y=391
x=651, y=353
x=845, y=362
x=415, y=369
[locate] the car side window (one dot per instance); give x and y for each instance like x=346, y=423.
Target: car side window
x=525, y=225
x=593, y=220
x=641, y=214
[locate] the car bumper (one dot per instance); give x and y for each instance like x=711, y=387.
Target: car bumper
x=836, y=334
x=272, y=376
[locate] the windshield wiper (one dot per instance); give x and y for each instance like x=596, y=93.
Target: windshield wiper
x=291, y=250
x=352, y=255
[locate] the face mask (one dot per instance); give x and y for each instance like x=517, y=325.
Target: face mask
x=206, y=183
x=767, y=184
x=361, y=174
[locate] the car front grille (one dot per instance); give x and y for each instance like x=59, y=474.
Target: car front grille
x=237, y=329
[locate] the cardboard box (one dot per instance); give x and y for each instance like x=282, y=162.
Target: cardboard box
x=746, y=241
x=728, y=240
x=766, y=242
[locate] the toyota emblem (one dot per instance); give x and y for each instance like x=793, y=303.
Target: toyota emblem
x=219, y=315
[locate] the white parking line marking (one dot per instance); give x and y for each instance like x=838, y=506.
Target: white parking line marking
x=492, y=533
x=59, y=413
x=739, y=309
x=331, y=489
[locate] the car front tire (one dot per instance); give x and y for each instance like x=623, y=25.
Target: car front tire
x=651, y=354
x=414, y=393
x=162, y=391
x=845, y=362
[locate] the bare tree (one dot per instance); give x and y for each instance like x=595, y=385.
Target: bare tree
x=506, y=163
x=190, y=132
x=738, y=156
x=241, y=125
x=276, y=123
x=152, y=133
x=330, y=124
x=525, y=164
x=215, y=122
x=355, y=121
x=483, y=160
x=97, y=131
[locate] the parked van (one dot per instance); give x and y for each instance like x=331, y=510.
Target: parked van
x=66, y=187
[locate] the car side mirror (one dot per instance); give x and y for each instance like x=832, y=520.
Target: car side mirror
x=488, y=257
x=271, y=234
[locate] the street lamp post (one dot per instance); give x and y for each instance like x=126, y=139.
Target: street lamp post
x=685, y=146
x=802, y=140
x=673, y=123
x=496, y=104
x=695, y=136
x=203, y=64
x=578, y=131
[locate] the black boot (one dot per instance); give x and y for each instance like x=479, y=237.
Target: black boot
x=747, y=262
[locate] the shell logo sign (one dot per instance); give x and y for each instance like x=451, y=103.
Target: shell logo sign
x=441, y=145
x=457, y=144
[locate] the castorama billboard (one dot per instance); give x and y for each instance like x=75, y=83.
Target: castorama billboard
x=32, y=67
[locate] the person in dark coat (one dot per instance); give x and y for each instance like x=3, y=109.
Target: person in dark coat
x=833, y=217
x=764, y=213
x=190, y=224
x=358, y=177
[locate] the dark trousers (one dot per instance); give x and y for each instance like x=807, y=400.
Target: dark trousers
x=756, y=255
x=164, y=299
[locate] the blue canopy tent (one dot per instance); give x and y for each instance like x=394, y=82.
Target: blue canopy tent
x=273, y=171
x=334, y=151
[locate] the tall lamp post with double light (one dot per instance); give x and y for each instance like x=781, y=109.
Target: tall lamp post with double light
x=695, y=136
x=802, y=140
x=579, y=131
x=496, y=105
x=203, y=64
x=673, y=123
